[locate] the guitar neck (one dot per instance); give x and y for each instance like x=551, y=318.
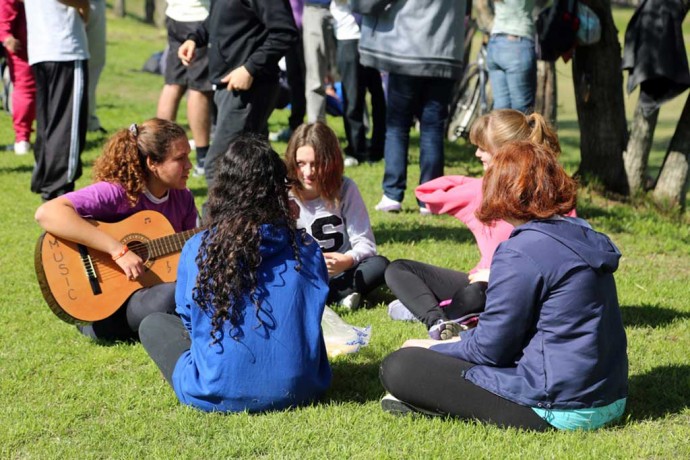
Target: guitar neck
x=170, y=244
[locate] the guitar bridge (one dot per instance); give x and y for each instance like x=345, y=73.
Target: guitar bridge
x=89, y=268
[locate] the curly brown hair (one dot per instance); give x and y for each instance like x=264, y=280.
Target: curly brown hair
x=328, y=159
x=123, y=160
x=250, y=191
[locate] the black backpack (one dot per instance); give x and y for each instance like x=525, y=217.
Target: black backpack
x=557, y=28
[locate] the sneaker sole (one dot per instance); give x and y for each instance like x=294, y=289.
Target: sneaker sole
x=400, y=409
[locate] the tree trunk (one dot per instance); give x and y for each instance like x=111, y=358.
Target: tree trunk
x=636, y=155
x=672, y=185
x=119, y=8
x=546, y=99
x=149, y=8
x=598, y=82
x=159, y=13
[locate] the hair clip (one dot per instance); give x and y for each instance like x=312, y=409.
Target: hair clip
x=134, y=129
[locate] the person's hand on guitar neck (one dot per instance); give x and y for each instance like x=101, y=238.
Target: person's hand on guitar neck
x=59, y=217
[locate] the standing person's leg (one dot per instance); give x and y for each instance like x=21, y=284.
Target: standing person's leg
x=403, y=101
x=175, y=76
x=316, y=28
x=23, y=96
x=433, y=382
x=433, y=116
x=238, y=112
x=496, y=54
x=364, y=278
x=353, y=95
x=294, y=62
x=169, y=101
x=165, y=339
x=96, y=33
x=61, y=109
x=420, y=287
x=372, y=79
x=521, y=75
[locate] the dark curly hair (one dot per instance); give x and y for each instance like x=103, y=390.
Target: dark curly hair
x=124, y=156
x=250, y=189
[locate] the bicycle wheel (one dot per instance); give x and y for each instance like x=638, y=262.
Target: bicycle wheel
x=465, y=105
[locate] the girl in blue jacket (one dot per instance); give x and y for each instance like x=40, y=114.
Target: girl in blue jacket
x=550, y=348
x=250, y=294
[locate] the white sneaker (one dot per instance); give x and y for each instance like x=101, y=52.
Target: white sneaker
x=350, y=161
x=424, y=211
x=22, y=147
x=198, y=171
x=388, y=205
x=352, y=301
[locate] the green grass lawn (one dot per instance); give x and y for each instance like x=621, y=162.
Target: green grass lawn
x=63, y=396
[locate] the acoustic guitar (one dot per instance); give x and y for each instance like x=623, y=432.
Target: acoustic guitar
x=82, y=285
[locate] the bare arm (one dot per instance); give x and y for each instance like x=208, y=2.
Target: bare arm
x=59, y=217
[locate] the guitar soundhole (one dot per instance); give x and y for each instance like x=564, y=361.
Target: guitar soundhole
x=139, y=249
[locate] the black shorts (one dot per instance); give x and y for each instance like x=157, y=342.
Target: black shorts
x=196, y=75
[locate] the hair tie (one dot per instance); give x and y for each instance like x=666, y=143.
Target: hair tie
x=134, y=129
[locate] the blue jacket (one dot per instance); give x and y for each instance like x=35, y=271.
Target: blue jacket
x=551, y=335
x=280, y=364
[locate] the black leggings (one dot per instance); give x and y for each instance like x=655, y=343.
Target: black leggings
x=363, y=278
x=165, y=339
x=124, y=323
x=420, y=287
x=434, y=382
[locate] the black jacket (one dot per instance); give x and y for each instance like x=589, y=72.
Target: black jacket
x=250, y=33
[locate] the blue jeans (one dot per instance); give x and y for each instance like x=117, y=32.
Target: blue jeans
x=512, y=64
x=428, y=99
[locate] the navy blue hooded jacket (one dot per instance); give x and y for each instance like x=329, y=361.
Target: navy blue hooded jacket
x=551, y=335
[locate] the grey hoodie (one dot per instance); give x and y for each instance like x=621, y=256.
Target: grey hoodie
x=420, y=38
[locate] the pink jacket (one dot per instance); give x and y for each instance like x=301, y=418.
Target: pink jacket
x=461, y=196
x=13, y=22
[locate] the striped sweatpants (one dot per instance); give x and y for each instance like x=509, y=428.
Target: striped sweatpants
x=61, y=116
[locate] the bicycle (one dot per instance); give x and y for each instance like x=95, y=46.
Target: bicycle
x=473, y=95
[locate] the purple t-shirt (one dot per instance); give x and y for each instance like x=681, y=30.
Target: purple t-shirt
x=108, y=202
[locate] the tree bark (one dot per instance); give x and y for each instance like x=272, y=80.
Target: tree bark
x=598, y=82
x=159, y=13
x=546, y=99
x=636, y=156
x=119, y=8
x=672, y=185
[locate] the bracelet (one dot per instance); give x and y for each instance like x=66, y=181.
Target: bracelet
x=124, y=251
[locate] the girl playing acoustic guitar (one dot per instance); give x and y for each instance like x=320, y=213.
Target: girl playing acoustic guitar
x=145, y=167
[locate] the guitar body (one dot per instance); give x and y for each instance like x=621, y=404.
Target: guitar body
x=81, y=284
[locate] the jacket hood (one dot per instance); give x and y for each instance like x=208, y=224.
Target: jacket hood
x=594, y=248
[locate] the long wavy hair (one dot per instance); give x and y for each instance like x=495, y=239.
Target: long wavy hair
x=124, y=156
x=328, y=159
x=250, y=189
x=491, y=131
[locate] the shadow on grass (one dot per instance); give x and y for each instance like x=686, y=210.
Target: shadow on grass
x=662, y=391
x=17, y=169
x=355, y=382
x=391, y=233
x=648, y=315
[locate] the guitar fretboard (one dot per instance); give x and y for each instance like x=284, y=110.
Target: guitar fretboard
x=170, y=243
